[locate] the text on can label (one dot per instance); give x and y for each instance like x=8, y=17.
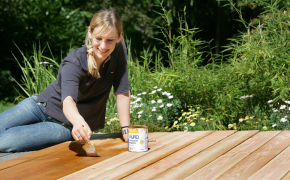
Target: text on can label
x=133, y=136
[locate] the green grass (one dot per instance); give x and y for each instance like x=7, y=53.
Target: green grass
x=4, y=106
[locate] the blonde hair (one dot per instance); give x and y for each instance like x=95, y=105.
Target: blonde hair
x=108, y=19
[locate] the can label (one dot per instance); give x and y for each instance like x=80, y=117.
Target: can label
x=138, y=139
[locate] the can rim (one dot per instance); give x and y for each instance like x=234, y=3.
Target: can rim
x=138, y=126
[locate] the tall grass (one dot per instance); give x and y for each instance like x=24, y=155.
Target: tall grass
x=38, y=72
x=228, y=93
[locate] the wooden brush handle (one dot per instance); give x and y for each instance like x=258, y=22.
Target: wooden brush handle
x=85, y=129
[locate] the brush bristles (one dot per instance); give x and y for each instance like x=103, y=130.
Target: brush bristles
x=93, y=155
x=91, y=150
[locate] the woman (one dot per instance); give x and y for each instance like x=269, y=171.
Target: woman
x=78, y=97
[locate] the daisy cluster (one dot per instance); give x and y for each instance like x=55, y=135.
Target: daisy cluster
x=190, y=120
x=245, y=120
x=279, y=116
x=155, y=105
x=109, y=122
x=250, y=123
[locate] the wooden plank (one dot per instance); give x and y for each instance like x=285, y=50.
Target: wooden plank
x=277, y=168
x=153, y=156
x=106, y=152
x=255, y=161
x=287, y=176
x=43, y=152
x=121, y=159
x=179, y=156
x=225, y=162
x=75, y=152
x=69, y=160
x=191, y=165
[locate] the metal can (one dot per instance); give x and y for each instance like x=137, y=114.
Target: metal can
x=138, y=138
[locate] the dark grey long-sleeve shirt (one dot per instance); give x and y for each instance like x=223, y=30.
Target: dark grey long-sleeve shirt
x=89, y=93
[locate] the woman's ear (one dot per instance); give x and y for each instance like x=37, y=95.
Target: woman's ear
x=89, y=32
x=120, y=37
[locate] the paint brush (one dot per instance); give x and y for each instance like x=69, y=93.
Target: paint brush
x=89, y=148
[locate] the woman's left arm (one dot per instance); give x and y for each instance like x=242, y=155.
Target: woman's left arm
x=123, y=108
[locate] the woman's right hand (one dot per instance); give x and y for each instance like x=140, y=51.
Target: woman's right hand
x=79, y=133
x=71, y=112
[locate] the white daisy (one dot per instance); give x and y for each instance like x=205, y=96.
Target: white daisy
x=168, y=104
x=159, y=118
x=283, y=120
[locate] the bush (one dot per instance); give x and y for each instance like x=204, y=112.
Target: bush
x=224, y=94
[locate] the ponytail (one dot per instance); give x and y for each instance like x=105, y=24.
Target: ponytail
x=92, y=64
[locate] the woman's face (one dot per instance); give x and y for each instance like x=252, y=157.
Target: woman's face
x=103, y=45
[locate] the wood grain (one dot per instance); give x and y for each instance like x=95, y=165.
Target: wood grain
x=67, y=161
x=43, y=152
x=153, y=156
x=38, y=168
x=118, y=160
x=287, y=176
x=252, y=163
x=226, y=161
x=276, y=169
x=196, y=162
x=179, y=156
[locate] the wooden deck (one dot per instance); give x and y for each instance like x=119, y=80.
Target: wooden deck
x=179, y=155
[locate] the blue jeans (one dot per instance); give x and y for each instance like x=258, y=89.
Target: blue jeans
x=24, y=128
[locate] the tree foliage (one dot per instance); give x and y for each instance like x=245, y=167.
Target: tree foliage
x=63, y=23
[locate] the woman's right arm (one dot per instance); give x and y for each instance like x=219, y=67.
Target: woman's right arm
x=72, y=114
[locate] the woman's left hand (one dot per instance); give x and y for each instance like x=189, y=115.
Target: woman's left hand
x=125, y=137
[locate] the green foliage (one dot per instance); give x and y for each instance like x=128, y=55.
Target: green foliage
x=4, y=106
x=264, y=3
x=221, y=95
x=156, y=109
x=37, y=73
x=279, y=117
